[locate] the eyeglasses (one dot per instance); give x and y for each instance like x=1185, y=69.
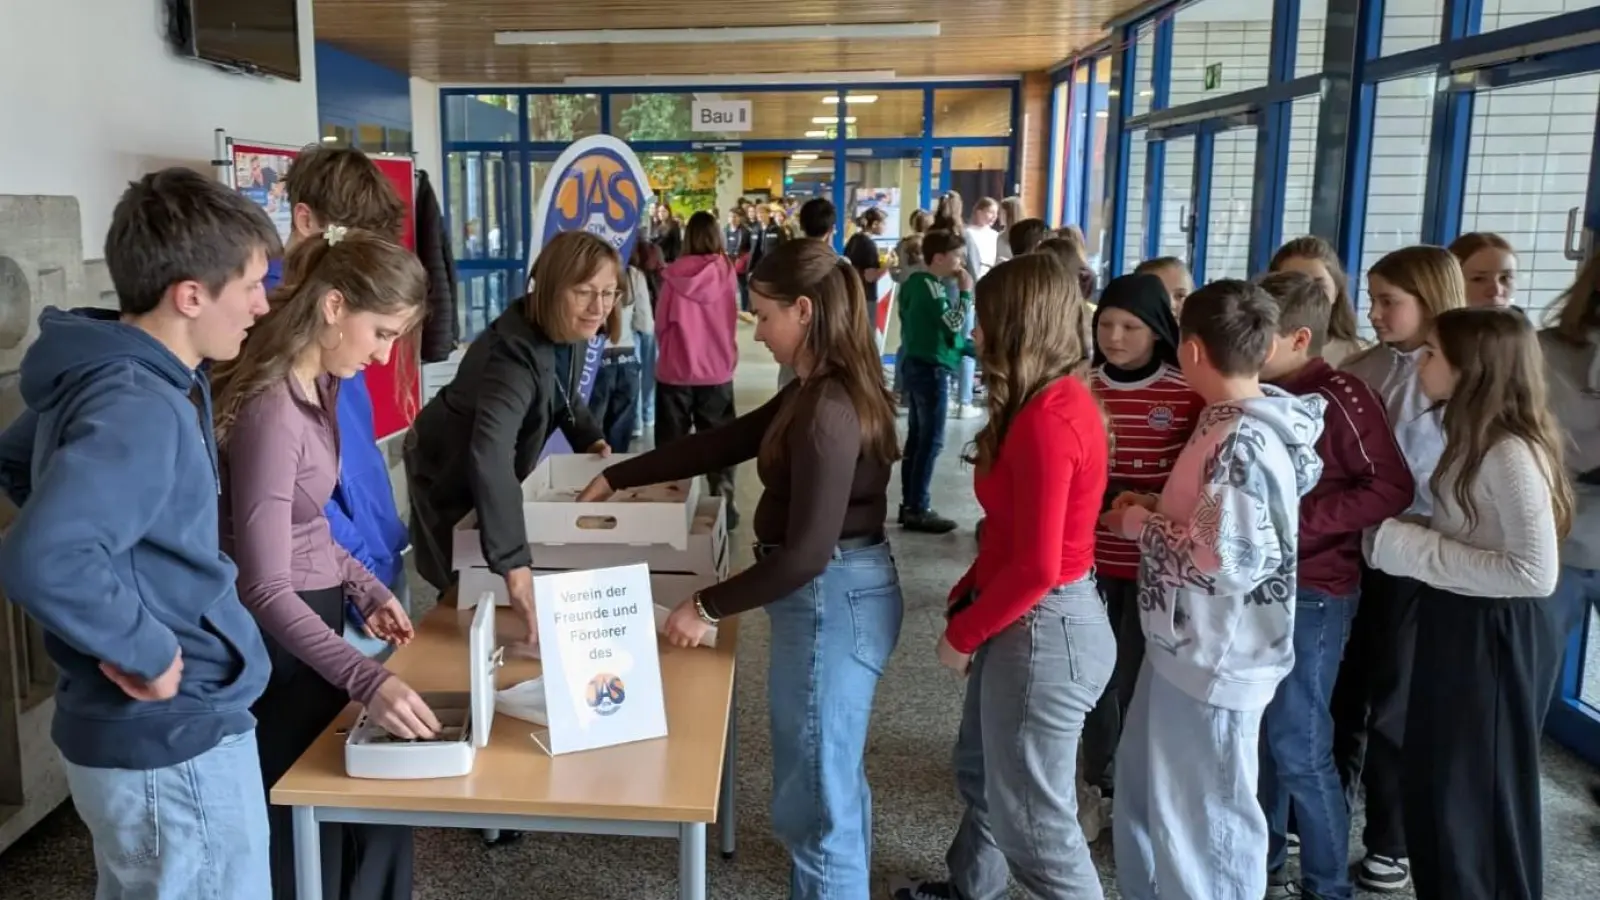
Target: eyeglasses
x=588, y=296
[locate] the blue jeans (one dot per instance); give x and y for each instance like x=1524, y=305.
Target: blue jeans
x=969, y=366
x=927, y=391
x=192, y=831
x=1028, y=692
x=646, y=342
x=614, y=402
x=1186, y=824
x=1297, y=750
x=830, y=641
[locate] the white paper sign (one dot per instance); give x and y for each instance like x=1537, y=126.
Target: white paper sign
x=720, y=115
x=602, y=677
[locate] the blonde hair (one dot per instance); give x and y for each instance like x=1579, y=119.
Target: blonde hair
x=369, y=270
x=570, y=259
x=1468, y=245
x=1011, y=211
x=1500, y=394
x=1428, y=273
x=1032, y=315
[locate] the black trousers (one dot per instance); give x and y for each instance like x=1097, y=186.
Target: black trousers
x=1370, y=700
x=681, y=409
x=1478, y=696
x=1102, y=730
x=359, y=862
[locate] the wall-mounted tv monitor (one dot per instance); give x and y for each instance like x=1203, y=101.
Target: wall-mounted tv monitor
x=255, y=36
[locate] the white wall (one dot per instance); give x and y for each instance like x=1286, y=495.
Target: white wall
x=91, y=97
x=425, y=137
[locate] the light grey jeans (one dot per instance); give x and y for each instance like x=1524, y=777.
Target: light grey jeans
x=1016, y=757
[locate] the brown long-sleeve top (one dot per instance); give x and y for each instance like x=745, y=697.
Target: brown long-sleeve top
x=279, y=468
x=822, y=489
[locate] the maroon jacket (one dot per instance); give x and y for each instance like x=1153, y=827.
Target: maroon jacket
x=1364, y=478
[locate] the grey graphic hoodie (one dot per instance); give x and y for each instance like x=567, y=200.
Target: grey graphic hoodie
x=1217, y=578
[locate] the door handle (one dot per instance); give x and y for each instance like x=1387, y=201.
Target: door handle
x=1185, y=221
x=1573, y=250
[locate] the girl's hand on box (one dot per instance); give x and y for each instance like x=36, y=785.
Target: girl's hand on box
x=600, y=449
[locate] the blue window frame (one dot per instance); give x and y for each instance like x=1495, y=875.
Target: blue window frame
x=1476, y=127
x=478, y=133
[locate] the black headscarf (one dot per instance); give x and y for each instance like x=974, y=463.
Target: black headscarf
x=1145, y=296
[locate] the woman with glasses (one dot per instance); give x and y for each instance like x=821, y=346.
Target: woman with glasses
x=481, y=435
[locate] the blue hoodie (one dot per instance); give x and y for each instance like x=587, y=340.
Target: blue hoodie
x=116, y=550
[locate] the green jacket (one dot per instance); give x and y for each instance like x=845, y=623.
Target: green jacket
x=930, y=324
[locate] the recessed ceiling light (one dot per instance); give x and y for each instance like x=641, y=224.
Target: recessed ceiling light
x=803, y=157
x=752, y=34
x=852, y=98
x=831, y=120
x=816, y=134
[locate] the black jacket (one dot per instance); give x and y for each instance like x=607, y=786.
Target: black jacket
x=480, y=436
x=439, y=330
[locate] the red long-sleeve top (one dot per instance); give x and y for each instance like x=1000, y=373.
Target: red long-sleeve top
x=1365, y=478
x=1041, y=499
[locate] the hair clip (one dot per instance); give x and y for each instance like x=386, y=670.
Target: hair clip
x=333, y=234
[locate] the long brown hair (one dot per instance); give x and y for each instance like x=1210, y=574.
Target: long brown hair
x=1577, y=311
x=1031, y=314
x=1342, y=320
x=1500, y=394
x=839, y=340
x=370, y=271
x=570, y=259
x=1011, y=211
x=947, y=213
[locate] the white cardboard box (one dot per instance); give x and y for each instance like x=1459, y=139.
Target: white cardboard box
x=665, y=589
x=551, y=516
x=705, y=553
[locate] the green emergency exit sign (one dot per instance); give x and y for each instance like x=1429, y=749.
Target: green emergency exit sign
x=1213, y=76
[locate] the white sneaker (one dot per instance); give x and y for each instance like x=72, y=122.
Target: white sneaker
x=1384, y=874
x=967, y=411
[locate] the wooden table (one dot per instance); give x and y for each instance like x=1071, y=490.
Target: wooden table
x=671, y=787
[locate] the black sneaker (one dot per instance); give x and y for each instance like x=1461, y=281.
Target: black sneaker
x=1384, y=874
x=1281, y=887
x=733, y=516
x=928, y=522
x=905, y=889
x=901, y=520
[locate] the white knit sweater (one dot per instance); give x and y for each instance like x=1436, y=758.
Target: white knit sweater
x=1512, y=550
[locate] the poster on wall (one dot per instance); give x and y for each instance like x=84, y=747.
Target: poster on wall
x=886, y=199
x=259, y=172
x=596, y=185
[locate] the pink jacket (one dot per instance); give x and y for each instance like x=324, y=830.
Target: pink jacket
x=697, y=319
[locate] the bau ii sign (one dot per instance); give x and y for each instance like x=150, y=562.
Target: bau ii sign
x=720, y=115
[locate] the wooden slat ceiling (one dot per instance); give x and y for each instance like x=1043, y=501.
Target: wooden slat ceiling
x=452, y=41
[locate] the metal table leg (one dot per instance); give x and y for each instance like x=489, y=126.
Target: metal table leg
x=307, y=854
x=691, y=861
x=725, y=814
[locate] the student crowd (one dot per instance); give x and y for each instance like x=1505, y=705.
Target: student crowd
x=1218, y=526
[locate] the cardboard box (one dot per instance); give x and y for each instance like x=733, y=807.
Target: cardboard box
x=550, y=515
x=665, y=590
x=705, y=553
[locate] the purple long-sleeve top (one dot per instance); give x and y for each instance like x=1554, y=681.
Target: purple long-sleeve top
x=279, y=468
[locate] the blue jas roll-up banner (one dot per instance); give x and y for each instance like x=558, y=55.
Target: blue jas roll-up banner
x=596, y=185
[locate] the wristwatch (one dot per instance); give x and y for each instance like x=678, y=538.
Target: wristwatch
x=700, y=608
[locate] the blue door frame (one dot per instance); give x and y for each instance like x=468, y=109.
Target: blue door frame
x=520, y=150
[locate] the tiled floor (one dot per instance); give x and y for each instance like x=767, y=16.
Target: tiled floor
x=915, y=807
